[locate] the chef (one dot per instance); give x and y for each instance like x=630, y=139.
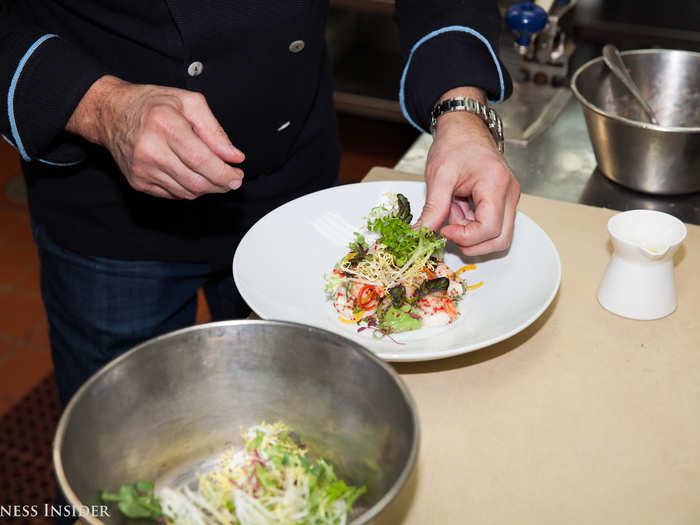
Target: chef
x=154, y=134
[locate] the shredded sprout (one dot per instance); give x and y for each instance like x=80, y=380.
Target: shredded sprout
x=269, y=481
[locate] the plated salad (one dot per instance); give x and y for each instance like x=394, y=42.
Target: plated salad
x=271, y=480
x=399, y=281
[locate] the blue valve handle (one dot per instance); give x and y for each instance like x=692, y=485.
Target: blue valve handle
x=525, y=19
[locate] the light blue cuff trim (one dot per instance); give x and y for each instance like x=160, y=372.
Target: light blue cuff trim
x=11, y=95
x=9, y=141
x=463, y=29
x=60, y=164
x=44, y=161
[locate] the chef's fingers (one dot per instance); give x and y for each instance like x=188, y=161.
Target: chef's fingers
x=457, y=215
x=440, y=188
x=177, y=178
x=500, y=243
x=158, y=191
x=205, y=125
x=158, y=184
x=487, y=224
x=503, y=240
x=216, y=175
x=150, y=169
x=460, y=210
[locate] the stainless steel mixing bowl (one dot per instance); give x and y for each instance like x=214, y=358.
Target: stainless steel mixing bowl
x=663, y=159
x=169, y=407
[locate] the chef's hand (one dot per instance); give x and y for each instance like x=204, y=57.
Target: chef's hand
x=464, y=165
x=166, y=141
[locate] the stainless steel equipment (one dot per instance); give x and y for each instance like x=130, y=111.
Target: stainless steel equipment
x=613, y=59
x=662, y=159
x=167, y=409
x=543, y=31
x=561, y=165
x=537, y=54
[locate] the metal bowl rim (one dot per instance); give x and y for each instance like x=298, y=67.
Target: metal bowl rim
x=367, y=516
x=630, y=122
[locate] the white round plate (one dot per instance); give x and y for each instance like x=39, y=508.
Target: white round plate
x=279, y=267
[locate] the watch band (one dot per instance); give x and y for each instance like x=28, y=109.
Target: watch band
x=487, y=114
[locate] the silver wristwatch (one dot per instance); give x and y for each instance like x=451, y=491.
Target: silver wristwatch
x=487, y=114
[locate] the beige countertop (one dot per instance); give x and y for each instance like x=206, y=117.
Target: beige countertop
x=584, y=417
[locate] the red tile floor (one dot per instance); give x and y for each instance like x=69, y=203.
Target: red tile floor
x=24, y=345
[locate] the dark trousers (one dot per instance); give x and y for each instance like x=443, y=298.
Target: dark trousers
x=98, y=308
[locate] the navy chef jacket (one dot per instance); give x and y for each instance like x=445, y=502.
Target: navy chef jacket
x=261, y=66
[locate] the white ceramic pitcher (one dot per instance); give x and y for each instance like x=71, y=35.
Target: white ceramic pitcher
x=639, y=282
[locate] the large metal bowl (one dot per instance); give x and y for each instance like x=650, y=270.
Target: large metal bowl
x=169, y=407
x=663, y=159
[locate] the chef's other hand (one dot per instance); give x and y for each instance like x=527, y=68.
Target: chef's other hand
x=469, y=181
x=166, y=141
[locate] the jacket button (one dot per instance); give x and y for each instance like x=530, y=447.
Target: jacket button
x=195, y=69
x=296, y=46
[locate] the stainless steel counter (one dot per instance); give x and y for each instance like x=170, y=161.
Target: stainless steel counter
x=559, y=164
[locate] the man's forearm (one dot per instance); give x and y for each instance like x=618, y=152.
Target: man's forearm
x=90, y=112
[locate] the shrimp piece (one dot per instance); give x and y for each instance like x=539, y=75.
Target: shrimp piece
x=343, y=304
x=437, y=310
x=456, y=288
x=442, y=270
x=355, y=290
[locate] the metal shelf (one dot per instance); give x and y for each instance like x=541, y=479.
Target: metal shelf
x=363, y=47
